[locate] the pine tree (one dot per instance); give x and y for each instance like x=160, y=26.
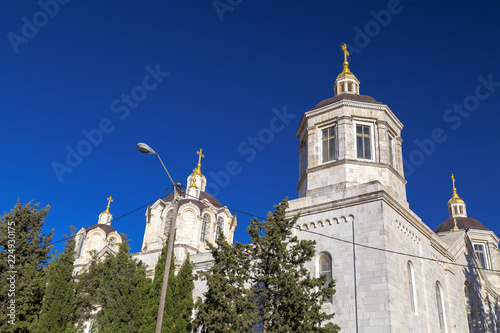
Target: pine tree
x=24, y=254
x=59, y=304
x=229, y=304
x=288, y=298
x=117, y=287
x=178, y=300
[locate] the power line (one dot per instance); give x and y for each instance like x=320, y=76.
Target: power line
x=403, y=253
x=309, y=231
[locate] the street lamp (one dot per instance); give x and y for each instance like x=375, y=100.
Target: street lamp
x=144, y=148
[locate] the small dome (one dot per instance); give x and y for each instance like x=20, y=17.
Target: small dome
x=106, y=227
x=462, y=222
x=350, y=97
x=203, y=195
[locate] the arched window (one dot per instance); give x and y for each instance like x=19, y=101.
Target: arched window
x=440, y=306
x=168, y=221
x=205, y=226
x=325, y=268
x=469, y=307
x=112, y=242
x=79, y=246
x=411, y=287
x=220, y=226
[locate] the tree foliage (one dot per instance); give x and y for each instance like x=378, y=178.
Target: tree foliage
x=117, y=288
x=229, y=304
x=59, y=304
x=269, y=278
x=178, y=300
x=24, y=254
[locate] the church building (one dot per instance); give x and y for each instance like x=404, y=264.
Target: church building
x=392, y=272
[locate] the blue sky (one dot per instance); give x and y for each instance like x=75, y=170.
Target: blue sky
x=94, y=78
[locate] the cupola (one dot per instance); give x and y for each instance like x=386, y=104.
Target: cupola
x=196, y=182
x=456, y=206
x=346, y=82
x=106, y=217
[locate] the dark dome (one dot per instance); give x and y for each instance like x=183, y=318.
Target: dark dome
x=351, y=97
x=462, y=222
x=203, y=195
x=107, y=228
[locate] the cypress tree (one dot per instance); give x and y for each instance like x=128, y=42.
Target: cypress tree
x=288, y=298
x=117, y=288
x=59, y=304
x=178, y=300
x=229, y=304
x=24, y=254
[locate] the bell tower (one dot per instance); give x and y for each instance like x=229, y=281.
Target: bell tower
x=348, y=140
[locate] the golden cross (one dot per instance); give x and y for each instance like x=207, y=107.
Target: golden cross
x=110, y=200
x=199, y=159
x=346, y=53
x=453, y=179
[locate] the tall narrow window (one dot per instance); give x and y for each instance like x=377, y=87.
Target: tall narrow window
x=411, y=287
x=469, y=307
x=220, y=226
x=168, y=221
x=205, y=226
x=329, y=143
x=80, y=245
x=391, y=151
x=325, y=268
x=440, y=306
x=363, y=141
x=481, y=256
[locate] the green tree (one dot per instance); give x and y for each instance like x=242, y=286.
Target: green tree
x=178, y=300
x=117, y=287
x=24, y=254
x=265, y=286
x=59, y=304
x=288, y=298
x=229, y=304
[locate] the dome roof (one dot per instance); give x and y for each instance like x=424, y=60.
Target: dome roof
x=347, y=96
x=105, y=227
x=461, y=223
x=203, y=195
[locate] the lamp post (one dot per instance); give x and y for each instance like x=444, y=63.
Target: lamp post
x=144, y=148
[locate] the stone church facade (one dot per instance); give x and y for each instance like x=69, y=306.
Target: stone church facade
x=392, y=272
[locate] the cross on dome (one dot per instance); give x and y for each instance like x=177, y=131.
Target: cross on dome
x=110, y=200
x=197, y=171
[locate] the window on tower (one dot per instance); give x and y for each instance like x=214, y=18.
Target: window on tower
x=363, y=141
x=325, y=268
x=329, y=143
x=480, y=254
